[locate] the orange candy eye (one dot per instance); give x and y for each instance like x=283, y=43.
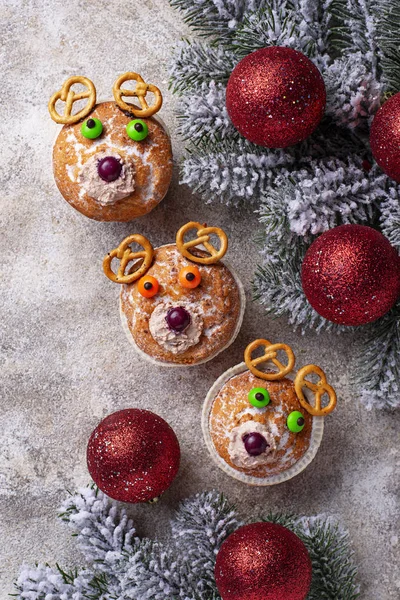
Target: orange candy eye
x=148, y=286
x=189, y=277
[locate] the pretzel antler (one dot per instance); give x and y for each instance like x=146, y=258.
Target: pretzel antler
x=67, y=95
x=125, y=255
x=203, y=237
x=319, y=389
x=139, y=92
x=270, y=354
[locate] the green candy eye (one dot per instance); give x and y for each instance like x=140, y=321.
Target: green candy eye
x=92, y=128
x=137, y=130
x=295, y=421
x=259, y=397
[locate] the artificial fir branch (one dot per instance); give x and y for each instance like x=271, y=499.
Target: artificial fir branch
x=355, y=28
x=197, y=63
x=273, y=26
x=328, y=192
x=45, y=583
x=390, y=214
x=232, y=172
x=388, y=37
x=378, y=374
x=215, y=17
x=103, y=530
x=335, y=578
x=202, y=111
x=199, y=528
x=182, y=568
x=353, y=93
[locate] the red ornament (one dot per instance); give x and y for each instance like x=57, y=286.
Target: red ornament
x=385, y=137
x=351, y=275
x=263, y=561
x=133, y=455
x=275, y=97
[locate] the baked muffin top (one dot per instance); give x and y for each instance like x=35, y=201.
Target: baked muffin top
x=232, y=418
x=214, y=307
x=146, y=166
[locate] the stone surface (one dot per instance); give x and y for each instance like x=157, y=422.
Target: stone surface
x=66, y=362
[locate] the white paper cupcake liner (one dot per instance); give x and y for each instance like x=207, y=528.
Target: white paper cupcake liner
x=161, y=363
x=298, y=467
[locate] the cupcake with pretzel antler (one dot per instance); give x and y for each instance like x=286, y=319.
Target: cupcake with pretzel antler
x=262, y=421
x=180, y=304
x=112, y=161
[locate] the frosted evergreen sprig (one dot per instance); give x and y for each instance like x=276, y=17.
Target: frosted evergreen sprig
x=204, y=111
x=388, y=36
x=353, y=93
x=335, y=577
x=329, y=192
x=46, y=583
x=390, y=214
x=279, y=291
x=197, y=63
x=354, y=28
x=182, y=568
x=104, y=532
x=202, y=523
x=378, y=367
x=215, y=17
x=232, y=175
x=276, y=25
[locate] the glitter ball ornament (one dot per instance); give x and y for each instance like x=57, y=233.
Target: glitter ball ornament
x=133, y=455
x=263, y=561
x=351, y=275
x=275, y=97
x=385, y=137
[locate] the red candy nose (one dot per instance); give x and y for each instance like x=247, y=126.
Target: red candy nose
x=109, y=168
x=178, y=319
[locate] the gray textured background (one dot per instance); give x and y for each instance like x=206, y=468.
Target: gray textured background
x=66, y=362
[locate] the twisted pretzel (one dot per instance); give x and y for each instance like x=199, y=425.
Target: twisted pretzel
x=203, y=237
x=125, y=255
x=270, y=354
x=319, y=389
x=67, y=95
x=139, y=92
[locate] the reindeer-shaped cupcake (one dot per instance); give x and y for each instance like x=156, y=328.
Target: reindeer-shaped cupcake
x=180, y=304
x=112, y=161
x=265, y=426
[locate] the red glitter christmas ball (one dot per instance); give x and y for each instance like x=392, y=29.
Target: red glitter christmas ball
x=351, y=275
x=263, y=561
x=275, y=97
x=133, y=455
x=385, y=137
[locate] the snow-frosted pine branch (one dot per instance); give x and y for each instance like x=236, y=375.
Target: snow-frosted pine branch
x=200, y=526
x=103, y=526
x=334, y=570
x=378, y=368
x=274, y=26
x=231, y=172
x=45, y=583
x=203, y=115
x=215, y=17
x=353, y=93
x=329, y=192
x=390, y=214
x=195, y=63
x=388, y=36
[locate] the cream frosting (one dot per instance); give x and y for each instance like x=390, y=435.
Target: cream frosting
x=169, y=340
x=102, y=191
x=237, y=450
